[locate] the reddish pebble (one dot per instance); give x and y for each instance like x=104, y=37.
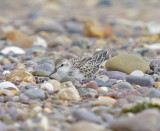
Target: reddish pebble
x=92, y=84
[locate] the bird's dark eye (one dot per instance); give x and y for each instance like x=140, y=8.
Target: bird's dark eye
x=62, y=65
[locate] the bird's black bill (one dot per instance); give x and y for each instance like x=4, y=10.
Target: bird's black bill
x=54, y=71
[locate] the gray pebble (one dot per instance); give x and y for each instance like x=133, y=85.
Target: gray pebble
x=45, y=67
x=140, y=80
x=154, y=93
x=35, y=93
x=115, y=75
x=51, y=28
x=123, y=86
x=83, y=114
x=12, y=111
x=8, y=67
x=101, y=83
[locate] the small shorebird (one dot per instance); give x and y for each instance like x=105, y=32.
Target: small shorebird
x=84, y=68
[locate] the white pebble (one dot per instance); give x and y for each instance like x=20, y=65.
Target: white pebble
x=6, y=72
x=103, y=89
x=13, y=49
x=40, y=42
x=137, y=73
x=7, y=84
x=47, y=86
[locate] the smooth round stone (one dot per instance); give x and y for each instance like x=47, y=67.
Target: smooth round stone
x=69, y=93
x=103, y=90
x=45, y=66
x=8, y=85
x=137, y=73
x=4, y=60
x=13, y=50
x=127, y=63
x=154, y=94
x=47, y=86
x=91, y=84
x=6, y=72
x=100, y=83
x=140, y=80
x=73, y=27
x=83, y=114
x=35, y=93
x=103, y=78
x=56, y=84
x=19, y=76
x=115, y=75
x=84, y=126
x=123, y=86
x=104, y=101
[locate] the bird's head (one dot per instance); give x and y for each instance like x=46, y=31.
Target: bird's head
x=62, y=67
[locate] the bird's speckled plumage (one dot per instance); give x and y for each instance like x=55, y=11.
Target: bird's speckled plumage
x=80, y=67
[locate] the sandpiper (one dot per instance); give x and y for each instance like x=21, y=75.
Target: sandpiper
x=80, y=68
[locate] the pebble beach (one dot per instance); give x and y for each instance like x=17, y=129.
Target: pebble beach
x=123, y=96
